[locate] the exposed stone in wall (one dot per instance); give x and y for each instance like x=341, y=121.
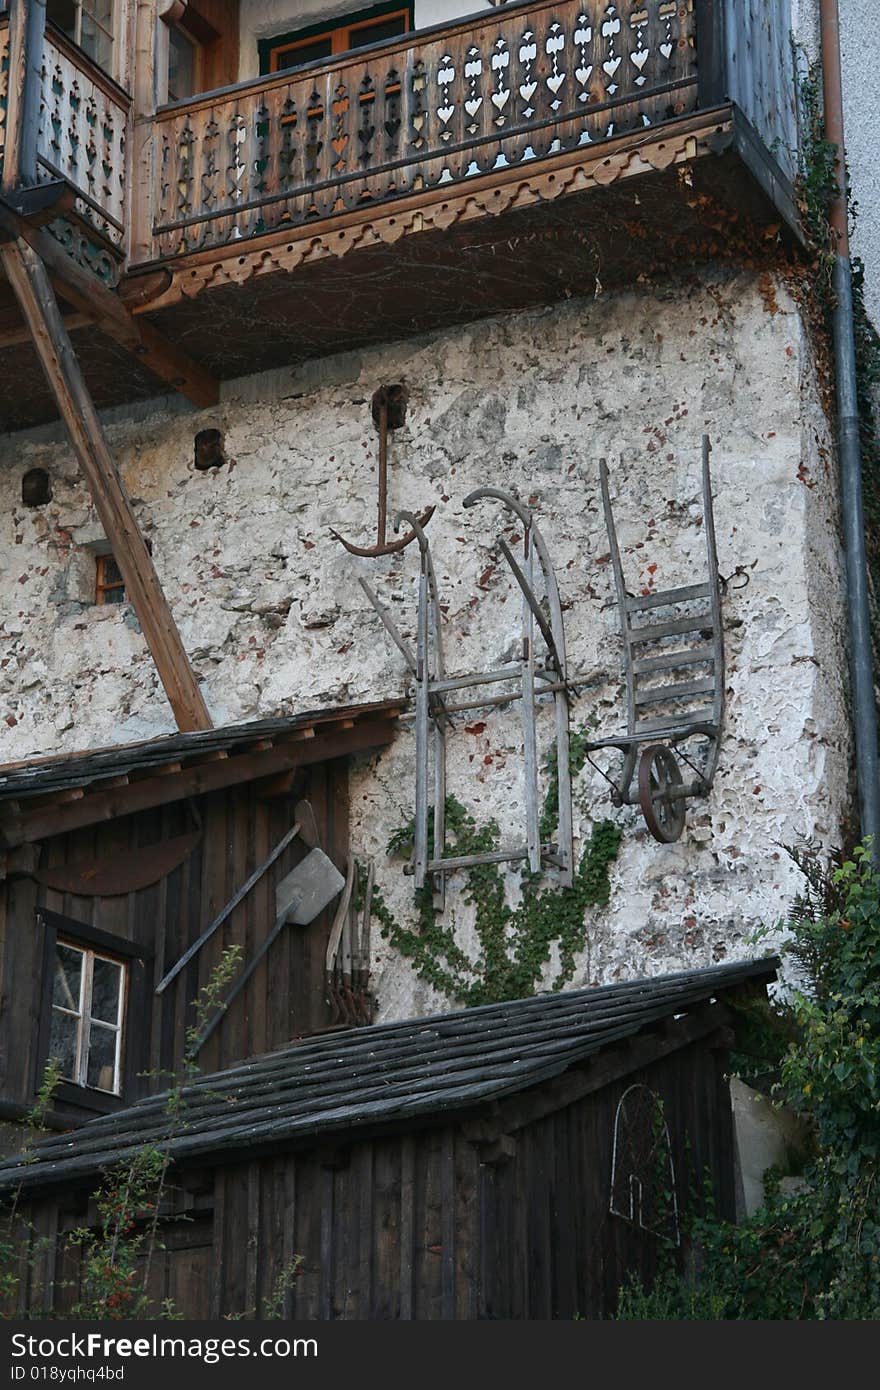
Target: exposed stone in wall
x=274, y=619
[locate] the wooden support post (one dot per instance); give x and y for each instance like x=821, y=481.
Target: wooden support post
x=30, y=282
x=27, y=24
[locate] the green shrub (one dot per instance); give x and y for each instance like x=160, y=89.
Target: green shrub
x=816, y=1253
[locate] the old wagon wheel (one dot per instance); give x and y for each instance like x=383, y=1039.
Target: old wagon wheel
x=661, y=793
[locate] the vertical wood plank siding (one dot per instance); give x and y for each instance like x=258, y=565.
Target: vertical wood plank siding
x=4, y=76
x=286, y=995
x=762, y=76
x=416, y=1225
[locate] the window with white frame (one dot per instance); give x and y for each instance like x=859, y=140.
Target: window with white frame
x=89, y=23
x=88, y=1003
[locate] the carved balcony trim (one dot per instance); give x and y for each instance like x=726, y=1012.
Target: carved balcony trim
x=677, y=143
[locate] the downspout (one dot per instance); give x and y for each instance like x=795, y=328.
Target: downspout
x=851, y=501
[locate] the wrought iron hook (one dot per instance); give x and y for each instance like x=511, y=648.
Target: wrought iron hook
x=389, y=412
x=739, y=573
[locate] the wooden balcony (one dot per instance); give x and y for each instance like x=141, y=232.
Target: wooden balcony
x=81, y=139
x=540, y=150
x=413, y=117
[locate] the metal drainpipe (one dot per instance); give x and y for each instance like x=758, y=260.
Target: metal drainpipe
x=851, y=503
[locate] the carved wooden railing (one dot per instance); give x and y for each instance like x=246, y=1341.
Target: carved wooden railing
x=83, y=120
x=438, y=108
x=82, y=135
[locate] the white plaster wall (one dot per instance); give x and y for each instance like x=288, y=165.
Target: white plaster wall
x=860, y=61
x=262, y=19
x=430, y=12
x=860, y=54
x=273, y=617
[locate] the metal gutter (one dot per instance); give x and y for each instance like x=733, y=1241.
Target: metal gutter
x=864, y=708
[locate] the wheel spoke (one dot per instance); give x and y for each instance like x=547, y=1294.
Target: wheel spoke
x=660, y=798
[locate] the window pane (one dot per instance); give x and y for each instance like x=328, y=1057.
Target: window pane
x=382, y=32
x=106, y=983
x=102, y=1058
x=101, y=10
x=68, y=976
x=304, y=54
x=96, y=43
x=111, y=573
x=63, y=1043
x=63, y=13
x=181, y=65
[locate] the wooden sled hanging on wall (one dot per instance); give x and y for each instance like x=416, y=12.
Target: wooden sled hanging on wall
x=531, y=678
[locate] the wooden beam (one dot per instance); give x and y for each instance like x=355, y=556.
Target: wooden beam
x=24, y=860
x=13, y=333
x=84, y=292
x=139, y=290
x=30, y=282
x=23, y=827
x=282, y=785
x=169, y=362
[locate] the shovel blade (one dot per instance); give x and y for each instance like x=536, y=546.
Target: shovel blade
x=308, y=889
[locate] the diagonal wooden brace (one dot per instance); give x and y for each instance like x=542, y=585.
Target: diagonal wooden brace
x=30, y=282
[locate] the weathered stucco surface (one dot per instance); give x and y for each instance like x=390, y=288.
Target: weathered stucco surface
x=274, y=619
x=859, y=57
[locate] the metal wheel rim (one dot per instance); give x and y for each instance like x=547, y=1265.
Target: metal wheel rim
x=659, y=775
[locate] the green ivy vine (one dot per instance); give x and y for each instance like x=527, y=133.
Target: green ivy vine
x=515, y=943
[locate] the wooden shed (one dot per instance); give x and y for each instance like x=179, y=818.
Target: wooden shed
x=126, y=855
x=513, y=1161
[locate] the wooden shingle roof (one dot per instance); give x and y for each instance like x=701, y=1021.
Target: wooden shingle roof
x=66, y=771
x=395, y=1072
x=47, y=796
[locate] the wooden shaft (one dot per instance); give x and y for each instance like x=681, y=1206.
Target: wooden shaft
x=238, y=986
x=230, y=907
x=30, y=282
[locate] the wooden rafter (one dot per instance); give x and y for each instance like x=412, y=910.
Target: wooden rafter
x=14, y=331
x=30, y=283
